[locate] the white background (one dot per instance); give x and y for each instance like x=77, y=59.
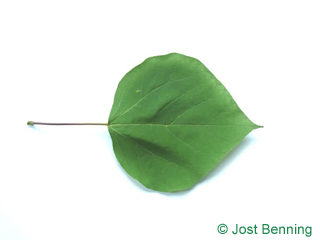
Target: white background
x=61, y=61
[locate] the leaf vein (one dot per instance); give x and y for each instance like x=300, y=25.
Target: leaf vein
x=131, y=139
x=189, y=109
x=185, y=143
x=173, y=100
x=180, y=125
x=162, y=85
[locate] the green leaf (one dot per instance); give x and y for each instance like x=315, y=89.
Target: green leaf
x=172, y=122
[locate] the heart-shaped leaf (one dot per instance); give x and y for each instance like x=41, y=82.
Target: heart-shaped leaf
x=172, y=121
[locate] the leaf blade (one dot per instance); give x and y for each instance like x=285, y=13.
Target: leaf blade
x=176, y=122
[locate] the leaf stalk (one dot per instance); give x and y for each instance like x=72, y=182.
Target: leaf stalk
x=31, y=123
